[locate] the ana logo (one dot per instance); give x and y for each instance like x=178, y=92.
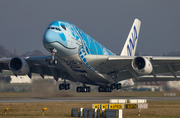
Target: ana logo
x=131, y=45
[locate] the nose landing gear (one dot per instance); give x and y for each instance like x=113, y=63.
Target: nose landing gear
x=53, y=61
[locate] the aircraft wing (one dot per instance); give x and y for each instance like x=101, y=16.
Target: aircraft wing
x=157, y=78
x=123, y=67
x=38, y=65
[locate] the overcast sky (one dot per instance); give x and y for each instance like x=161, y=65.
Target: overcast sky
x=23, y=22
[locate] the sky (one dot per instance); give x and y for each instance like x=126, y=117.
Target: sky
x=23, y=22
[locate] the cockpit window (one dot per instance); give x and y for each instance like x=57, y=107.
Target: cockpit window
x=58, y=29
x=64, y=27
x=54, y=28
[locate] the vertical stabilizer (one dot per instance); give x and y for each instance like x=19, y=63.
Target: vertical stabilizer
x=129, y=48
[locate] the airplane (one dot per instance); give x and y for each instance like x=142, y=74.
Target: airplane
x=77, y=57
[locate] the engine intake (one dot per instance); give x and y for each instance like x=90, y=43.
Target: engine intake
x=142, y=65
x=19, y=66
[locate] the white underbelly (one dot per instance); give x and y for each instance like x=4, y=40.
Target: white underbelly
x=82, y=73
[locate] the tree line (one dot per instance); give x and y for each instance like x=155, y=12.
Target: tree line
x=7, y=53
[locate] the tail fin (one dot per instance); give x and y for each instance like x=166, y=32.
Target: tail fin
x=129, y=48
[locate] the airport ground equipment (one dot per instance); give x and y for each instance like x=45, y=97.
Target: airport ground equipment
x=137, y=101
x=85, y=112
x=96, y=113
x=92, y=113
x=99, y=113
x=44, y=109
x=127, y=101
x=113, y=113
x=169, y=94
x=109, y=111
x=112, y=110
x=75, y=112
x=5, y=111
x=121, y=106
x=118, y=101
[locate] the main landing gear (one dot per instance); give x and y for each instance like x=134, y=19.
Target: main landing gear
x=109, y=88
x=116, y=86
x=83, y=88
x=64, y=86
x=104, y=89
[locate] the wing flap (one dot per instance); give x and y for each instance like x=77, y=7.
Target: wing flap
x=165, y=60
x=158, y=78
x=124, y=75
x=161, y=69
x=4, y=64
x=107, y=64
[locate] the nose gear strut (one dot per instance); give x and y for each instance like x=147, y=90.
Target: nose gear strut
x=53, y=60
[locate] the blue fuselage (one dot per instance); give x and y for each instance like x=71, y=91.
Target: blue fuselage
x=72, y=45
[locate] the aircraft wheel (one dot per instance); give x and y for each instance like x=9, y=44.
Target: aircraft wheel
x=118, y=86
x=107, y=89
x=113, y=86
x=55, y=62
x=88, y=89
x=110, y=89
x=84, y=89
x=68, y=86
x=100, y=89
x=61, y=86
x=50, y=62
x=78, y=89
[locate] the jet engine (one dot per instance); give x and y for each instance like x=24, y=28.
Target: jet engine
x=19, y=66
x=142, y=65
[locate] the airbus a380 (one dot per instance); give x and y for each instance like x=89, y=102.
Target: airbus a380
x=79, y=58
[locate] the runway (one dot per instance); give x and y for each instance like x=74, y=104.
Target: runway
x=82, y=99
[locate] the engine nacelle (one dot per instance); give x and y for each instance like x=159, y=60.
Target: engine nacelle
x=142, y=65
x=19, y=66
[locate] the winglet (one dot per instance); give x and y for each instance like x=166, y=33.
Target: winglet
x=129, y=48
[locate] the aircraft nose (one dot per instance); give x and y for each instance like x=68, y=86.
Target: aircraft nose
x=49, y=37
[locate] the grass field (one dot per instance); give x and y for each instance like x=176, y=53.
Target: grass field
x=165, y=109
x=7, y=72
x=157, y=109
